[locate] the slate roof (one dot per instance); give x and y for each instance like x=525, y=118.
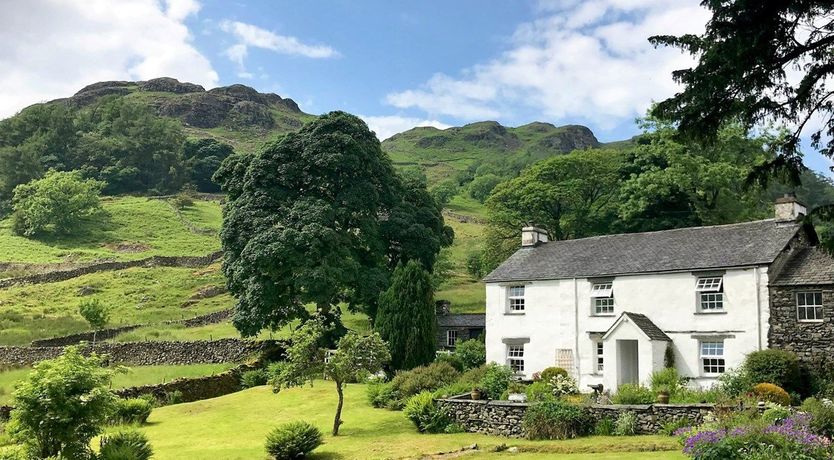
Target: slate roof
x=644, y=324
x=695, y=248
x=808, y=266
x=462, y=320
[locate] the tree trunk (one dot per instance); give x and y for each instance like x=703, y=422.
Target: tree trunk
x=95, y=332
x=338, y=420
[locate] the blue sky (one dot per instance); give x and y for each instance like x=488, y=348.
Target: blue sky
x=398, y=64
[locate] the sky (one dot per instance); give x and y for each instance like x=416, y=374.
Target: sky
x=396, y=63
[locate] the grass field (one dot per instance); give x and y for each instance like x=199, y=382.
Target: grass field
x=134, y=296
x=135, y=376
x=466, y=292
x=235, y=427
x=137, y=228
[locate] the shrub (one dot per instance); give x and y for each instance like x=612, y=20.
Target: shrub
x=59, y=203
x=173, y=397
x=424, y=413
x=556, y=420
x=471, y=353
x=604, y=427
x=254, y=378
x=132, y=411
x=473, y=376
x=775, y=413
x=772, y=393
x=822, y=416
x=774, y=366
x=126, y=445
x=563, y=385
x=404, y=385
x=548, y=374
x=670, y=428
x=631, y=393
x=666, y=379
x=687, y=396
x=669, y=356
x=735, y=382
x=626, y=424
x=539, y=391
x=496, y=380
x=292, y=440
x=452, y=359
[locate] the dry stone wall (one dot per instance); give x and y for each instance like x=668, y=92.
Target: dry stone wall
x=504, y=418
x=191, y=389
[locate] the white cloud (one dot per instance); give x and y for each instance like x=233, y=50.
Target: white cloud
x=52, y=48
x=249, y=35
x=388, y=125
x=588, y=59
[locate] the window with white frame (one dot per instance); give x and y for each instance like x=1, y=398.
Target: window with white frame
x=602, y=296
x=515, y=357
x=710, y=292
x=515, y=299
x=712, y=357
x=451, y=337
x=598, y=361
x=809, y=306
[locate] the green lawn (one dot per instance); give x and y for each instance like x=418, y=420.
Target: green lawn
x=134, y=296
x=137, y=228
x=135, y=376
x=235, y=426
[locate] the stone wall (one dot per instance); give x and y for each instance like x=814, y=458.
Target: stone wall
x=151, y=353
x=809, y=340
x=155, y=261
x=504, y=418
x=191, y=389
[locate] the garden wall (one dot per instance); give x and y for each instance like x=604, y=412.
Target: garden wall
x=504, y=418
x=150, y=353
x=155, y=261
x=191, y=389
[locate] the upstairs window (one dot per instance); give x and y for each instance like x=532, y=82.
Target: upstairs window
x=515, y=298
x=710, y=292
x=515, y=358
x=712, y=357
x=809, y=306
x=451, y=338
x=602, y=295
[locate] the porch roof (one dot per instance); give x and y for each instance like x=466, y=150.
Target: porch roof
x=643, y=323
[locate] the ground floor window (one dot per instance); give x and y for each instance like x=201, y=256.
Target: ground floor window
x=451, y=338
x=598, y=348
x=809, y=306
x=712, y=357
x=515, y=357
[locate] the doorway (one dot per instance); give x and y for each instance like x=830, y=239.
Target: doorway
x=628, y=362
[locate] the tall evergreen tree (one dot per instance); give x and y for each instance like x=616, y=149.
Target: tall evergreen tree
x=406, y=317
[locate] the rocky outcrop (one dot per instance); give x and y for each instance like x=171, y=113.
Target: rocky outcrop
x=570, y=138
x=170, y=85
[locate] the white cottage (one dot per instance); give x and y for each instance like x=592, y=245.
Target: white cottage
x=606, y=308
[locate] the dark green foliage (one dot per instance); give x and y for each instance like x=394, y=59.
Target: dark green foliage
x=556, y=420
x=475, y=264
x=450, y=358
x=24, y=166
x=424, y=413
x=778, y=367
x=549, y=373
x=254, y=378
x=471, y=353
x=59, y=203
x=394, y=394
x=604, y=427
x=539, y=391
x=202, y=158
x=822, y=416
x=406, y=317
x=630, y=393
x=293, y=440
x=496, y=380
x=125, y=445
x=669, y=356
x=62, y=405
x=303, y=223
x=132, y=411
x=481, y=187
x=173, y=397
x=736, y=382
x=444, y=191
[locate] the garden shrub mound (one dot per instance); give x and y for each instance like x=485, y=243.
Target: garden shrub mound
x=630, y=393
x=772, y=393
x=293, y=440
x=134, y=410
x=496, y=380
x=778, y=367
x=424, y=413
x=394, y=394
x=556, y=420
x=125, y=445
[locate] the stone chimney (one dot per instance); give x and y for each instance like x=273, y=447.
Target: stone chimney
x=789, y=209
x=532, y=236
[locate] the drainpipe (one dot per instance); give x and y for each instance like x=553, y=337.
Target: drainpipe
x=576, y=329
x=758, y=280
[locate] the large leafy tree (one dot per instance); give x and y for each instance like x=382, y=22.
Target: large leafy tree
x=320, y=217
x=59, y=203
x=202, y=158
x=406, y=317
x=759, y=62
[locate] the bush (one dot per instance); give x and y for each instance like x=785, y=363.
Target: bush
x=173, y=397
x=556, y=420
x=774, y=366
x=424, y=413
x=452, y=359
x=626, y=424
x=404, y=385
x=669, y=356
x=473, y=376
x=822, y=416
x=126, y=445
x=604, y=427
x=630, y=393
x=254, y=378
x=496, y=380
x=735, y=382
x=666, y=379
x=772, y=393
x=59, y=203
x=471, y=353
x=551, y=372
x=293, y=440
x=669, y=428
x=773, y=414
x=686, y=396
x=539, y=391
x=563, y=386
x=132, y=411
